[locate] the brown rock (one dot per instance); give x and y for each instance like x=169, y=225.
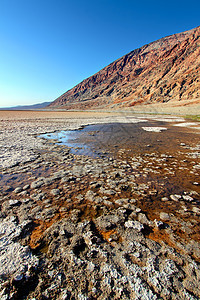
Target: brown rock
x=166, y=69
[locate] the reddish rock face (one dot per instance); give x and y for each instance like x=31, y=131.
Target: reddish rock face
x=167, y=69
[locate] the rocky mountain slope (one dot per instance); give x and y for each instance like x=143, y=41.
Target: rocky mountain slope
x=165, y=70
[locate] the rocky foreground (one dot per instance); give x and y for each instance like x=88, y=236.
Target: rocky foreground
x=124, y=224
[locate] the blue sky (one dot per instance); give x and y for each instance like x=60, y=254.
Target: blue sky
x=47, y=47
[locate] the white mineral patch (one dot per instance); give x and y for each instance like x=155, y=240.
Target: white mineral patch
x=133, y=120
x=171, y=119
x=198, y=128
x=15, y=259
x=186, y=124
x=134, y=224
x=154, y=129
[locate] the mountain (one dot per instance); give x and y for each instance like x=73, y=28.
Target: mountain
x=164, y=70
x=27, y=107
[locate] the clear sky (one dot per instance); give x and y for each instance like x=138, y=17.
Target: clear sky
x=48, y=46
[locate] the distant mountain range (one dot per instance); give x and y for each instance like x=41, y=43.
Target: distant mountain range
x=27, y=107
x=167, y=69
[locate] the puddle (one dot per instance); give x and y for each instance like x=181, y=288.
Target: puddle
x=104, y=139
x=161, y=147
x=70, y=138
x=154, y=129
x=187, y=124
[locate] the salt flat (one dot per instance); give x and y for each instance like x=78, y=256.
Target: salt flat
x=121, y=224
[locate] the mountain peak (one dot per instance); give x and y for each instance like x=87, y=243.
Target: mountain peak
x=164, y=70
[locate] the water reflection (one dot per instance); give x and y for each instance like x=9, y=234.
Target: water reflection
x=70, y=138
x=109, y=139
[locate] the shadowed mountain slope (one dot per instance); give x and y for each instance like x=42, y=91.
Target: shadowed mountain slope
x=167, y=69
